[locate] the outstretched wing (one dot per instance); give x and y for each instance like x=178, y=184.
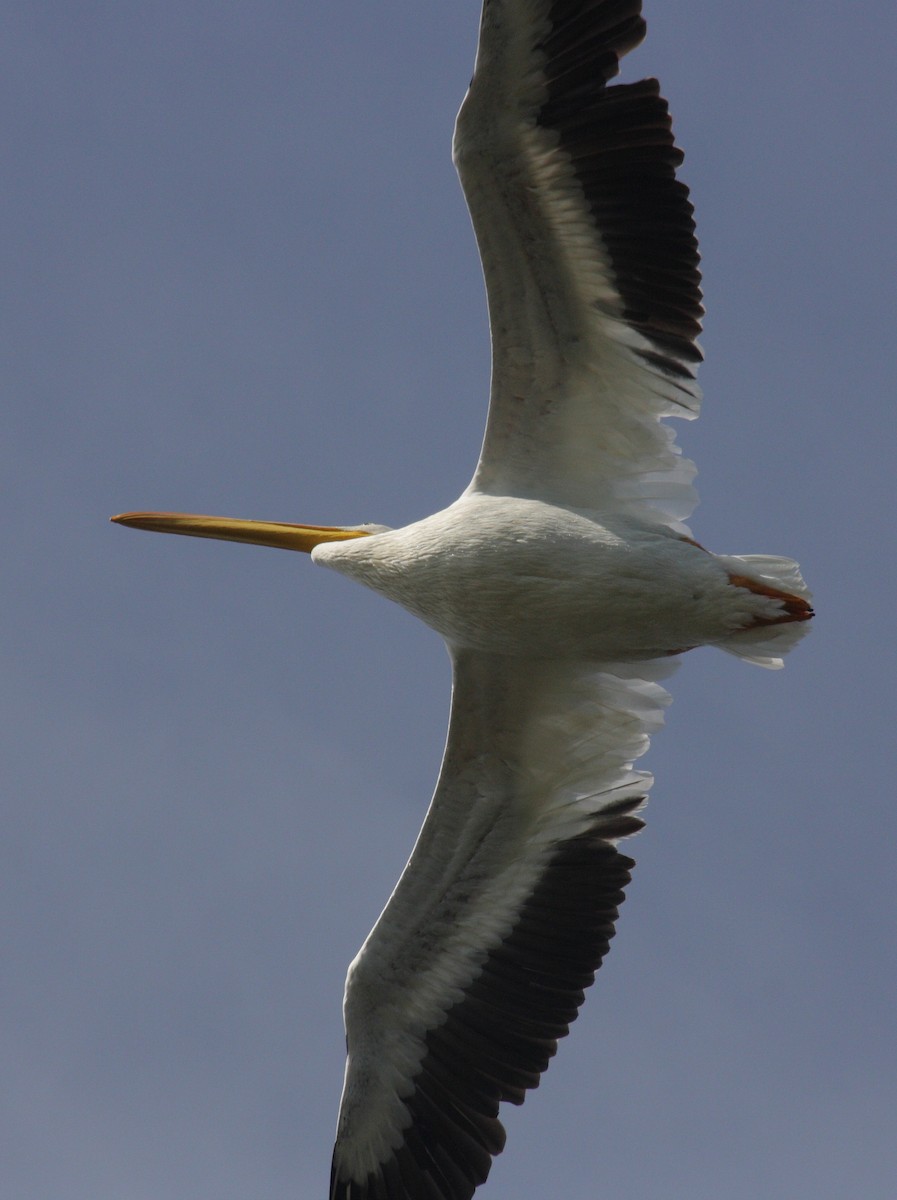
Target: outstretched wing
x=589, y=256
x=501, y=918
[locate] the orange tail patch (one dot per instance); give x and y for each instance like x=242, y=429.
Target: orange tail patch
x=796, y=608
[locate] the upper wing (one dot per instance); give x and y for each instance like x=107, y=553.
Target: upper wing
x=501, y=918
x=590, y=260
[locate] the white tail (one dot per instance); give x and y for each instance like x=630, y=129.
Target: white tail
x=765, y=644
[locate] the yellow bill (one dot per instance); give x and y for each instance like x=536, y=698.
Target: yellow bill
x=282, y=535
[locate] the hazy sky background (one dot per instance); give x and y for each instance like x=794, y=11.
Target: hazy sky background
x=239, y=278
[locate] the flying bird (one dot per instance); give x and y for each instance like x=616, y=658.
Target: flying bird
x=565, y=586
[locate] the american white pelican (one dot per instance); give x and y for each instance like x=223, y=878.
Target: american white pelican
x=563, y=584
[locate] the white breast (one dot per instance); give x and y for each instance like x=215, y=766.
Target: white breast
x=524, y=577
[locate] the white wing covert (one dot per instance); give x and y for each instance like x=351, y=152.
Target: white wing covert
x=501, y=918
x=589, y=257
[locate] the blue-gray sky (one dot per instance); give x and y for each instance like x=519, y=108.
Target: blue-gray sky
x=239, y=278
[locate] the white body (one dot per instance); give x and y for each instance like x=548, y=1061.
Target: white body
x=522, y=577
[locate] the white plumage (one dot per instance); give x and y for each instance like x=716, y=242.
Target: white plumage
x=564, y=585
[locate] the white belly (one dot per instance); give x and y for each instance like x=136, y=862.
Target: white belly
x=521, y=577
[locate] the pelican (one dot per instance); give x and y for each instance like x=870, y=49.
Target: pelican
x=565, y=586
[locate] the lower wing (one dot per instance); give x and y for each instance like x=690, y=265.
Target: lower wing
x=503, y=914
